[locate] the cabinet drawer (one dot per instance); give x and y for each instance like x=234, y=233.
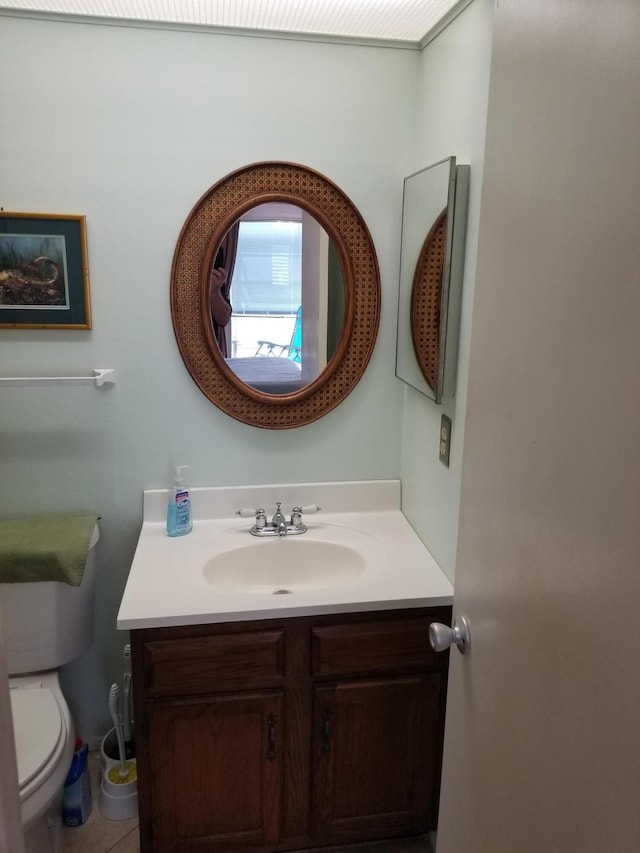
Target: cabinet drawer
x=373, y=647
x=211, y=664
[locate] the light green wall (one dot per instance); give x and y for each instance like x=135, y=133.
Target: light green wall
x=130, y=126
x=451, y=114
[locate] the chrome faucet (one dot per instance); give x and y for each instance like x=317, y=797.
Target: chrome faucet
x=278, y=526
x=279, y=522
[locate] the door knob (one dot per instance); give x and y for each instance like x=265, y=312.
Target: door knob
x=442, y=636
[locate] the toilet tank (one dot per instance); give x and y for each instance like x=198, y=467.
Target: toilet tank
x=48, y=624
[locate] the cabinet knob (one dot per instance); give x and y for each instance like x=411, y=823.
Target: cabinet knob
x=441, y=637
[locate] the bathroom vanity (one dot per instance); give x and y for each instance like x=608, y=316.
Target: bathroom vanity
x=282, y=722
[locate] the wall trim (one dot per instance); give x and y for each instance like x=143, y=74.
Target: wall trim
x=204, y=29
x=353, y=41
x=451, y=15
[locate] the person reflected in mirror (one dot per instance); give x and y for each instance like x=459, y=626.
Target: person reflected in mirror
x=220, y=306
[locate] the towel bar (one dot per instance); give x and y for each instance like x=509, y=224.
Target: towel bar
x=101, y=376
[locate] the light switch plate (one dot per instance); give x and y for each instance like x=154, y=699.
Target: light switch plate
x=445, y=440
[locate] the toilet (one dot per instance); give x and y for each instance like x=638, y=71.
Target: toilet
x=45, y=626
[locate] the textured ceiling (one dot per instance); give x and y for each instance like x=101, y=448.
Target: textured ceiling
x=412, y=21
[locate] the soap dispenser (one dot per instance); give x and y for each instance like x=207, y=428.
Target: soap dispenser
x=179, y=521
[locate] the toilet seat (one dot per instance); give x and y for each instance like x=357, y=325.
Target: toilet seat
x=45, y=739
x=39, y=733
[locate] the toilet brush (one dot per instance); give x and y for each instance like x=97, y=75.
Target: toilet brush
x=126, y=770
x=129, y=745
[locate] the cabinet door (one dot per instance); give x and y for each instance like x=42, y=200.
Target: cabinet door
x=215, y=772
x=377, y=757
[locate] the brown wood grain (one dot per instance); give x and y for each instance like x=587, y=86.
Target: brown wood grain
x=352, y=705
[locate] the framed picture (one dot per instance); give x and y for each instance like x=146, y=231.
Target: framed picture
x=44, y=275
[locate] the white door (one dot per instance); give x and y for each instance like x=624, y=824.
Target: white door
x=542, y=746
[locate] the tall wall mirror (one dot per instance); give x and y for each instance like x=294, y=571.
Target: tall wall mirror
x=275, y=295
x=434, y=223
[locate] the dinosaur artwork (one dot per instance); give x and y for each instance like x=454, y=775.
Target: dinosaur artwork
x=44, y=273
x=39, y=281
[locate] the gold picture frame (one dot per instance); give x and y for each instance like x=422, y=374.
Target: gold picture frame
x=44, y=272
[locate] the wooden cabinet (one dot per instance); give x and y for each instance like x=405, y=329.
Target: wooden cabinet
x=375, y=757
x=287, y=734
x=216, y=771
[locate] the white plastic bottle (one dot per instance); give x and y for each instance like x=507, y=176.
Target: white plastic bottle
x=179, y=520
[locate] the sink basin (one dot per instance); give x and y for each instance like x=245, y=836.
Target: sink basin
x=281, y=566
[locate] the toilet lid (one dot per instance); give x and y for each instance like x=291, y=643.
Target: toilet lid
x=37, y=725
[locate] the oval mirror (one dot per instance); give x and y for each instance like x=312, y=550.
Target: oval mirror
x=277, y=298
x=275, y=295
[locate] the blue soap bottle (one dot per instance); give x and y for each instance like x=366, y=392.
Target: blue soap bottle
x=179, y=520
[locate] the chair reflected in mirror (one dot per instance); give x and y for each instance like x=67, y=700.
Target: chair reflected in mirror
x=292, y=350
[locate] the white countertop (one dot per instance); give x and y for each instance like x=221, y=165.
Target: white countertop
x=167, y=587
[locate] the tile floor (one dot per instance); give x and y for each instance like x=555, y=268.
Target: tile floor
x=99, y=835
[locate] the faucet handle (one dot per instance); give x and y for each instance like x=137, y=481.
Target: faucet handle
x=308, y=510
x=244, y=512
x=296, y=514
x=260, y=517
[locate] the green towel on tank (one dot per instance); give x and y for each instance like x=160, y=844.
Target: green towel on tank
x=45, y=548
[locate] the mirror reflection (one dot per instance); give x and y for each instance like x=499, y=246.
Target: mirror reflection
x=277, y=298
x=434, y=215
x=340, y=314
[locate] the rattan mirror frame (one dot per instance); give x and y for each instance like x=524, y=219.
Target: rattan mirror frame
x=426, y=302
x=202, y=233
